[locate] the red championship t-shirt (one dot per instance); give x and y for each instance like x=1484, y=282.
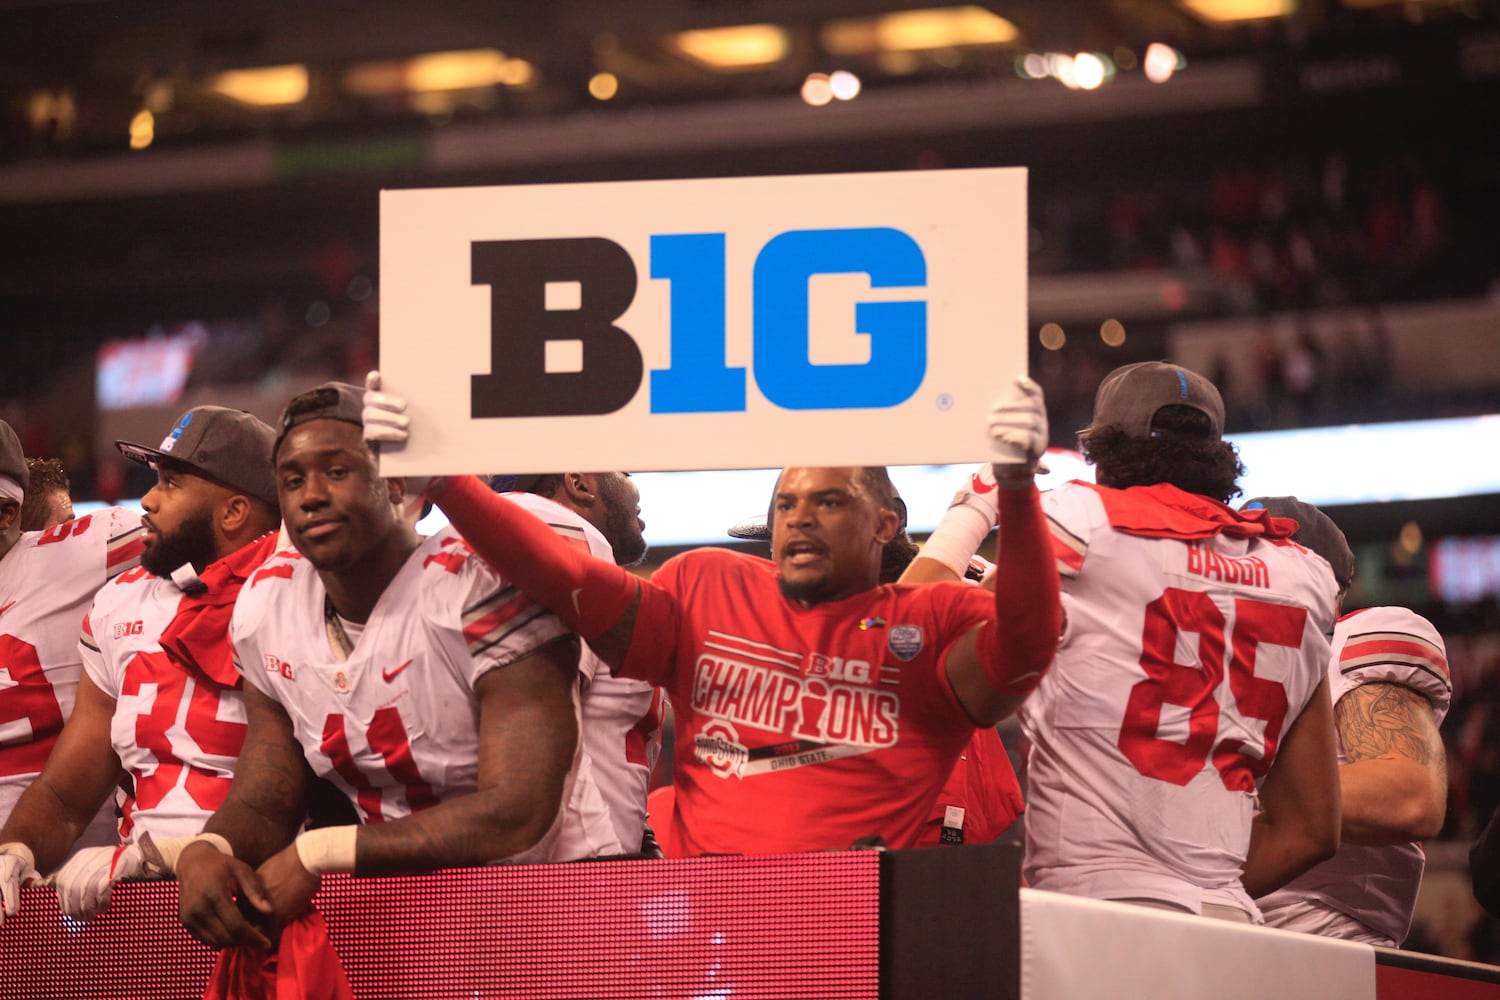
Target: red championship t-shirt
x=802, y=729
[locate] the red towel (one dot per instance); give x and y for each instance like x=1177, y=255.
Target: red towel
x=198, y=638
x=304, y=967
x=1164, y=511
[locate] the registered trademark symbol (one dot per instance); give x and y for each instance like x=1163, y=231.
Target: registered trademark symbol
x=944, y=401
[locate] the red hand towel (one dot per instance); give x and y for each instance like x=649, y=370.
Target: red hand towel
x=304, y=967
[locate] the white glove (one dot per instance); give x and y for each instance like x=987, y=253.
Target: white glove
x=17, y=868
x=978, y=493
x=384, y=414
x=1018, y=428
x=83, y=883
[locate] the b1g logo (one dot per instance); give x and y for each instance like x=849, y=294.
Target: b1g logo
x=698, y=380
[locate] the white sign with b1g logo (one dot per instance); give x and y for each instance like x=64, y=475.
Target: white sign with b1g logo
x=852, y=319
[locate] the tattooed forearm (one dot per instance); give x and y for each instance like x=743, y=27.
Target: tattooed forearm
x=1384, y=720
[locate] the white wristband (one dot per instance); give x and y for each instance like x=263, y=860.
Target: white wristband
x=957, y=537
x=330, y=849
x=171, y=848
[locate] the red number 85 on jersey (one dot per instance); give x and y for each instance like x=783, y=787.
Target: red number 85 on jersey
x=1256, y=623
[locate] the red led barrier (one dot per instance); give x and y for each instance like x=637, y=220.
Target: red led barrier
x=772, y=927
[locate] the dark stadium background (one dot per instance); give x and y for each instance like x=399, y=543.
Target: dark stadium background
x=1316, y=193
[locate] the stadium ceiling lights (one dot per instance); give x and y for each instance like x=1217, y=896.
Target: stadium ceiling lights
x=266, y=87
x=1234, y=11
x=466, y=70
x=438, y=72
x=918, y=31
x=732, y=49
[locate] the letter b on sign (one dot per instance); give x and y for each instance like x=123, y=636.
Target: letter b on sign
x=518, y=273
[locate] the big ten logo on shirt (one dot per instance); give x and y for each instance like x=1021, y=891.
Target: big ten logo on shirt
x=703, y=324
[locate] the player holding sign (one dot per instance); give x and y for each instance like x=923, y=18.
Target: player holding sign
x=1191, y=671
x=159, y=705
x=814, y=706
x=46, y=582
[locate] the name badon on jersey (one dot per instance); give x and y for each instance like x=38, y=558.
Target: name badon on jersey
x=1246, y=571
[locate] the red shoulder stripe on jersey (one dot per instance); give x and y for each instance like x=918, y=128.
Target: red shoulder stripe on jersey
x=1397, y=648
x=281, y=571
x=493, y=619
x=572, y=533
x=86, y=635
x=1068, y=548
x=130, y=576
x=123, y=552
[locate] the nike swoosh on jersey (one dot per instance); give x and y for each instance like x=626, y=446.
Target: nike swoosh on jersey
x=390, y=675
x=8, y=606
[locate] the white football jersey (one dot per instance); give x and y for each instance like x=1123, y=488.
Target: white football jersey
x=47, y=580
x=621, y=725
x=1367, y=893
x=1180, y=668
x=395, y=726
x=177, y=734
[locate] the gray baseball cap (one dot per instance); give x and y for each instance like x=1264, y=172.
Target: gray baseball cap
x=1315, y=530
x=1130, y=396
x=12, y=457
x=329, y=401
x=227, y=445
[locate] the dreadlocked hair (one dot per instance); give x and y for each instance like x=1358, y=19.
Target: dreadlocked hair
x=896, y=555
x=1182, y=451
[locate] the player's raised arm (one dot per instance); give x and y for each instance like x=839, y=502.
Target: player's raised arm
x=995, y=667
x=597, y=600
